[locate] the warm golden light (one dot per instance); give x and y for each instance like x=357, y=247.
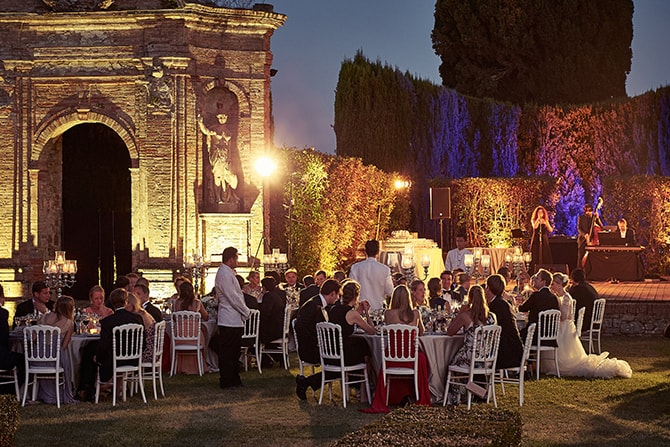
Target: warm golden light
x=402, y=184
x=265, y=166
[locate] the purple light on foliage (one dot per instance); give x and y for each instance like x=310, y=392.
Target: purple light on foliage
x=503, y=124
x=664, y=133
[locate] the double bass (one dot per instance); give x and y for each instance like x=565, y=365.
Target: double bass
x=595, y=227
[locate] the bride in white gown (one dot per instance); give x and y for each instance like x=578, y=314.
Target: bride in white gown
x=572, y=358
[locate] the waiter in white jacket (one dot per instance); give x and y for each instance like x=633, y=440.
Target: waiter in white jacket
x=373, y=276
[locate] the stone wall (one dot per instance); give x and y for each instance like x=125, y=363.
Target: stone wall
x=635, y=318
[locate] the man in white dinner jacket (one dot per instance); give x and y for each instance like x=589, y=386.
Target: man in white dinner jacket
x=233, y=312
x=456, y=257
x=373, y=276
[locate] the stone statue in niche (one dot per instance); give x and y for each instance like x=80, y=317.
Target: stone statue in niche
x=160, y=91
x=218, y=142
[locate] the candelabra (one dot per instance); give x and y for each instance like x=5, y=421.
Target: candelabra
x=276, y=261
x=195, y=266
x=59, y=272
x=474, y=261
x=527, y=257
x=408, y=264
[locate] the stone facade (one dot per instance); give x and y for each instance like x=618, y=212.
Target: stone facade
x=635, y=318
x=153, y=76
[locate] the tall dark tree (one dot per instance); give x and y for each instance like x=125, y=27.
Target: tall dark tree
x=539, y=51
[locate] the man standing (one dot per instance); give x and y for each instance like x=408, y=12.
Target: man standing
x=456, y=257
x=311, y=313
x=233, y=312
x=511, y=346
x=373, y=276
x=585, y=224
x=40, y=301
x=540, y=300
x=141, y=291
x=584, y=294
x=105, y=355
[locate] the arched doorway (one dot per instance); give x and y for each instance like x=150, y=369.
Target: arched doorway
x=96, y=227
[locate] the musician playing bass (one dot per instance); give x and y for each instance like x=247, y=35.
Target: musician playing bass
x=586, y=225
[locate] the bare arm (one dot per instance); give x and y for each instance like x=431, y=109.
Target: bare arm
x=462, y=319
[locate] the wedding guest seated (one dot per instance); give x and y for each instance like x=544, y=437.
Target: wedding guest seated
x=177, y=282
x=447, y=290
x=62, y=318
x=511, y=346
x=435, y=297
x=468, y=320
x=104, y=354
x=187, y=361
x=463, y=285
x=249, y=300
x=40, y=301
x=348, y=313
x=277, y=277
x=398, y=278
x=540, y=300
x=339, y=276
x=253, y=287
x=8, y=358
x=310, y=290
x=418, y=290
x=149, y=323
x=271, y=318
x=141, y=290
x=97, y=298
x=507, y=276
x=402, y=388
x=584, y=294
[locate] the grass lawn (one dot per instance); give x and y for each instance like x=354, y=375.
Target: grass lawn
x=557, y=412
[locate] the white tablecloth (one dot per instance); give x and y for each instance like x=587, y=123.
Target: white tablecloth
x=439, y=350
x=211, y=357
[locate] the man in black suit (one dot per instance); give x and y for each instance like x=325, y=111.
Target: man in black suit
x=626, y=235
x=8, y=358
x=310, y=290
x=540, y=300
x=104, y=355
x=585, y=224
x=511, y=346
x=40, y=301
x=584, y=294
x=141, y=291
x=311, y=313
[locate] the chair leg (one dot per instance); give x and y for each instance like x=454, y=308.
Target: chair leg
x=154, y=373
x=558, y=372
x=599, y=350
x=160, y=378
x=114, y=389
x=446, y=389
x=141, y=380
x=345, y=388
x=58, y=390
x=26, y=384
x=199, y=357
x=367, y=385
x=173, y=364
x=521, y=374
x=323, y=384
x=537, y=361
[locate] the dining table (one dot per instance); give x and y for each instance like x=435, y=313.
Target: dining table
x=211, y=357
x=75, y=349
x=439, y=349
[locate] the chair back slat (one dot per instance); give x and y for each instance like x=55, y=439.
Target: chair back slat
x=547, y=327
x=329, y=336
x=185, y=326
x=400, y=342
x=288, y=310
x=41, y=343
x=485, y=348
x=127, y=342
x=528, y=344
x=598, y=313
x=159, y=340
x=580, y=321
x=251, y=325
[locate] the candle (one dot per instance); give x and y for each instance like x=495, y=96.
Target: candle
x=517, y=250
x=478, y=253
x=486, y=261
x=518, y=259
x=468, y=260
x=60, y=257
x=73, y=267
x=425, y=261
x=282, y=258
x=527, y=256
x=392, y=260
x=508, y=258
x=407, y=262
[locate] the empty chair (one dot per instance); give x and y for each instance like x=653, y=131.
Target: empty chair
x=9, y=376
x=250, y=334
x=596, y=324
x=520, y=371
x=127, y=341
x=152, y=370
x=482, y=363
x=41, y=350
x=331, y=352
x=400, y=354
x=282, y=342
x=185, y=334
x=547, y=331
x=301, y=363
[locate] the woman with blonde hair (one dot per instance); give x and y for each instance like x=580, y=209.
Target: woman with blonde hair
x=63, y=318
x=135, y=306
x=469, y=319
x=402, y=311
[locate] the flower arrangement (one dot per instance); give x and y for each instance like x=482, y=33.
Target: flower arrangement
x=211, y=303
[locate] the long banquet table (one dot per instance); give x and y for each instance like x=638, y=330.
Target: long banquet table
x=439, y=350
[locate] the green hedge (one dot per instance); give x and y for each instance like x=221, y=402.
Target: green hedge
x=9, y=419
x=420, y=426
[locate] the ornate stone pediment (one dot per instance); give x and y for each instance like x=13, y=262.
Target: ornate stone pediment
x=78, y=5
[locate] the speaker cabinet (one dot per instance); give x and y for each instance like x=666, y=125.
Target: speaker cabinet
x=440, y=203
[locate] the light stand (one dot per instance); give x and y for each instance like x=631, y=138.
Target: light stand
x=196, y=267
x=59, y=272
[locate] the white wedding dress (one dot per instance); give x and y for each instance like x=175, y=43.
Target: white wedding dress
x=572, y=358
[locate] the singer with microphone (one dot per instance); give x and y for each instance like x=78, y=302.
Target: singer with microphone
x=539, y=243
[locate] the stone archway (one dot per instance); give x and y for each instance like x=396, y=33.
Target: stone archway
x=96, y=203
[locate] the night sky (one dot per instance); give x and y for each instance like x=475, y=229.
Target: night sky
x=319, y=35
